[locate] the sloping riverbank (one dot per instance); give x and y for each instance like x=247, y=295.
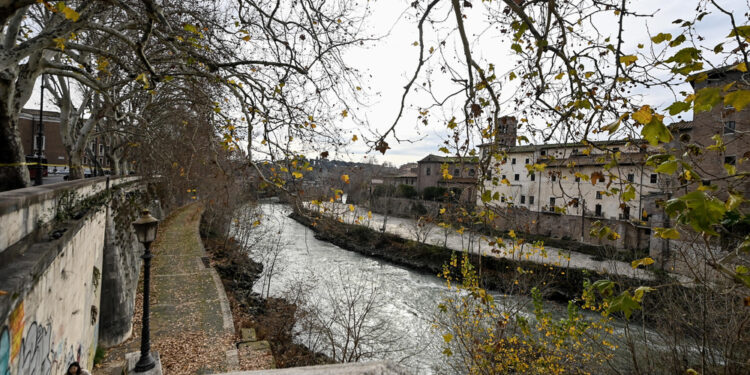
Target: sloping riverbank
x=506, y=275
x=272, y=318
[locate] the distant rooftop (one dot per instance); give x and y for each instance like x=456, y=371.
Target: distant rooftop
x=448, y=159
x=528, y=148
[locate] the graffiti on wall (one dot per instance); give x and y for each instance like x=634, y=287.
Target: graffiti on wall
x=4, y=352
x=16, y=330
x=34, y=358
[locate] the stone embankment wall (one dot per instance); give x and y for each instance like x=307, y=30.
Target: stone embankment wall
x=68, y=271
x=547, y=224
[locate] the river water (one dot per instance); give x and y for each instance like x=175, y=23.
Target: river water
x=335, y=287
x=404, y=301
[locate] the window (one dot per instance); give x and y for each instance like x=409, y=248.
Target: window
x=615, y=149
x=578, y=179
x=601, y=179
x=513, y=161
x=502, y=199
x=653, y=178
x=516, y=177
x=706, y=182
x=543, y=152
x=531, y=199
x=523, y=199
x=457, y=172
x=427, y=171
x=527, y=161
x=554, y=177
x=472, y=172
x=626, y=213
x=36, y=142
x=575, y=151
x=101, y=161
x=729, y=127
x=731, y=160
x=552, y=204
x=631, y=177
x=598, y=210
x=101, y=148
x=575, y=203
x=533, y=177
x=598, y=195
x=504, y=178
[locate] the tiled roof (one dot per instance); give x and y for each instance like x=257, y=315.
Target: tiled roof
x=528, y=148
x=448, y=159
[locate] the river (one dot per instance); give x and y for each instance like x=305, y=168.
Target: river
x=401, y=303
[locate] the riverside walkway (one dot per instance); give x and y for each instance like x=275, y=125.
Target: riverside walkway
x=477, y=243
x=191, y=322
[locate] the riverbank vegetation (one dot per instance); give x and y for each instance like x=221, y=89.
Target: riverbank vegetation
x=659, y=318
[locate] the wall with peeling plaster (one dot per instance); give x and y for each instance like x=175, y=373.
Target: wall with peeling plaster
x=53, y=278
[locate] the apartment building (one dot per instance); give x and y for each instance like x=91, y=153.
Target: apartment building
x=53, y=149
x=573, y=182
x=464, y=174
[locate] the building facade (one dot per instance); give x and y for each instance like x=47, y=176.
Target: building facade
x=53, y=148
x=464, y=174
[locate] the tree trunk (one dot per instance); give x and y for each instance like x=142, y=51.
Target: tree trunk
x=13, y=171
x=76, y=167
x=115, y=163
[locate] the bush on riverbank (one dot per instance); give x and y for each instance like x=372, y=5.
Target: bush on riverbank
x=511, y=276
x=272, y=318
x=667, y=324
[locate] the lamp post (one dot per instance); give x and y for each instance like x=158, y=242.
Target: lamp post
x=40, y=137
x=145, y=229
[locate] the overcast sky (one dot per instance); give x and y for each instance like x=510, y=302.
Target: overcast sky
x=391, y=61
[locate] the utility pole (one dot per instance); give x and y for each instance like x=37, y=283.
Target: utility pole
x=40, y=137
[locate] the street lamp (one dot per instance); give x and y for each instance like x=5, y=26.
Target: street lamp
x=145, y=229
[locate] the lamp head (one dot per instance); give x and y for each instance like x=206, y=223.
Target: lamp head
x=145, y=227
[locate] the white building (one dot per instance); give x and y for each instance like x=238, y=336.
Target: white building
x=565, y=184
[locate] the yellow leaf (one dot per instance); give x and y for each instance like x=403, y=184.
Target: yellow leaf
x=246, y=38
x=442, y=211
x=297, y=174
x=351, y=207
x=559, y=76
x=345, y=178
x=643, y=115
x=512, y=234
x=354, y=138
x=344, y=113
x=67, y=11
x=256, y=223
x=738, y=99
x=369, y=214
x=742, y=67
x=641, y=262
x=59, y=43
x=628, y=59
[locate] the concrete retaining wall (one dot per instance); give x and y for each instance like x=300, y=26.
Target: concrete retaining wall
x=56, y=276
x=547, y=224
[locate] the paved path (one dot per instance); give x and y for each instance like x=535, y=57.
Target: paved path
x=191, y=324
x=474, y=243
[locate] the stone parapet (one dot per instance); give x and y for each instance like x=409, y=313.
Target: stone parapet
x=23, y=211
x=358, y=368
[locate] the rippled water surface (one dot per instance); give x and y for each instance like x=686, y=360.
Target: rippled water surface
x=407, y=299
